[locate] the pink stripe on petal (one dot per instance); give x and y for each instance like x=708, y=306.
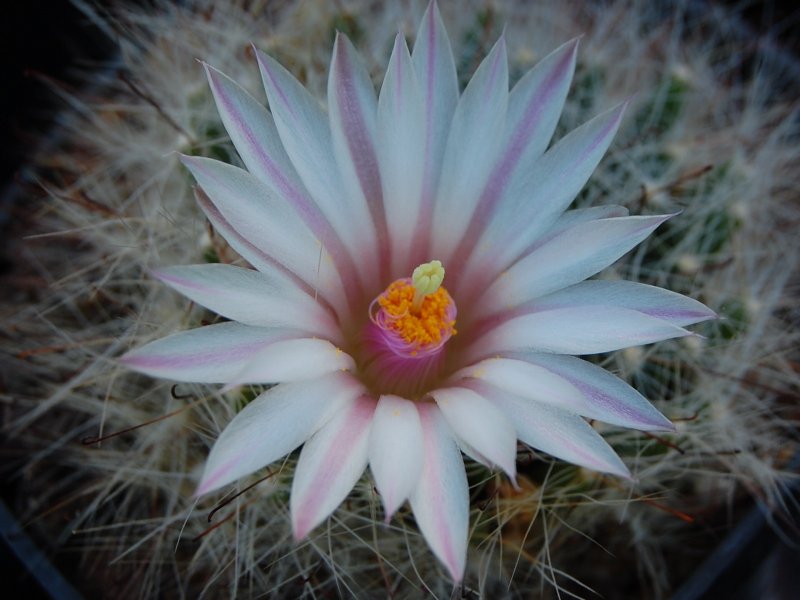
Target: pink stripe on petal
x=318, y=150
x=555, y=431
x=352, y=115
x=441, y=500
x=646, y=299
x=499, y=66
x=537, y=198
x=211, y=354
x=353, y=111
x=154, y=362
x=275, y=423
x=473, y=146
x=436, y=72
x=339, y=305
x=571, y=256
x=520, y=139
x=267, y=69
x=254, y=134
x=571, y=330
x=210, y=481
x=330, y=464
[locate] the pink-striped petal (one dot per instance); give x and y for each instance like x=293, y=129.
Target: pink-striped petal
x=248, y=251
x=338, y=303
x=293, y=360
x=573, y=255
x=266, y=221
x=534, y=202
x=264, y=299
x=211, y=354
x=274, y=424
x=614, y=400
x=353, y=110
x=574, y=330
x=480, y=425
x=534, y=107
x=580, y=215
x=401, y=145
x=570, y=384
x=652, y=301
x=555, y=431
x=395, y=451
x=441, y=499
x=438, y=82
x=330, y=464
x=253, y=133
x=472, y=148
x=305, y=133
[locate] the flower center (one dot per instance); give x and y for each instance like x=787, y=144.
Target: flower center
x=417, y=314
x=410, y=322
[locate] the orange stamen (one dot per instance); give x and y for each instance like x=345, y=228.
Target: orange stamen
x=423, y=326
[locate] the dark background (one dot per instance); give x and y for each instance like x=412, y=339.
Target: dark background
x=39, y=39
x=51, y=40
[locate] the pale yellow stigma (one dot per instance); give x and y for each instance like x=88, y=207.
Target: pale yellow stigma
x=426, y=279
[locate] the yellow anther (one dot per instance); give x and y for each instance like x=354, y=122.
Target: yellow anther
x=426, y=280
x=419, y=309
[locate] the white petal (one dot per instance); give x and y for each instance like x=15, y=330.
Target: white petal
x=441, y=499
x=472, y=148
x=576, y=216
x=567, y=258
x=265, y=220
x=530, y=208
x=330, y=464
x=211, y=354
x=581, y=215
x=557, y=432
x=401, y=145
x=395, y=451
x=265, y=299
x=474, y=454
x=570, y=384
x=249, y=251
x=338, y=303
x=480, y=425
x=653, y=301
x=305, y=132
x=293, y=360
x=575, y=330
x=273, y=425
x=353, y=113
x=253, y=132
x=438, y=82
x=534, y=107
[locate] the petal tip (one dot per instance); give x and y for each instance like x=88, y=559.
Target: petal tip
x=659, y=423
x=624, y=472
x=128, y=359
x=301, y=527
x=202, y=490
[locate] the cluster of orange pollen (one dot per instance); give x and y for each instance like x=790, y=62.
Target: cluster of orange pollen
x=425, y=326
